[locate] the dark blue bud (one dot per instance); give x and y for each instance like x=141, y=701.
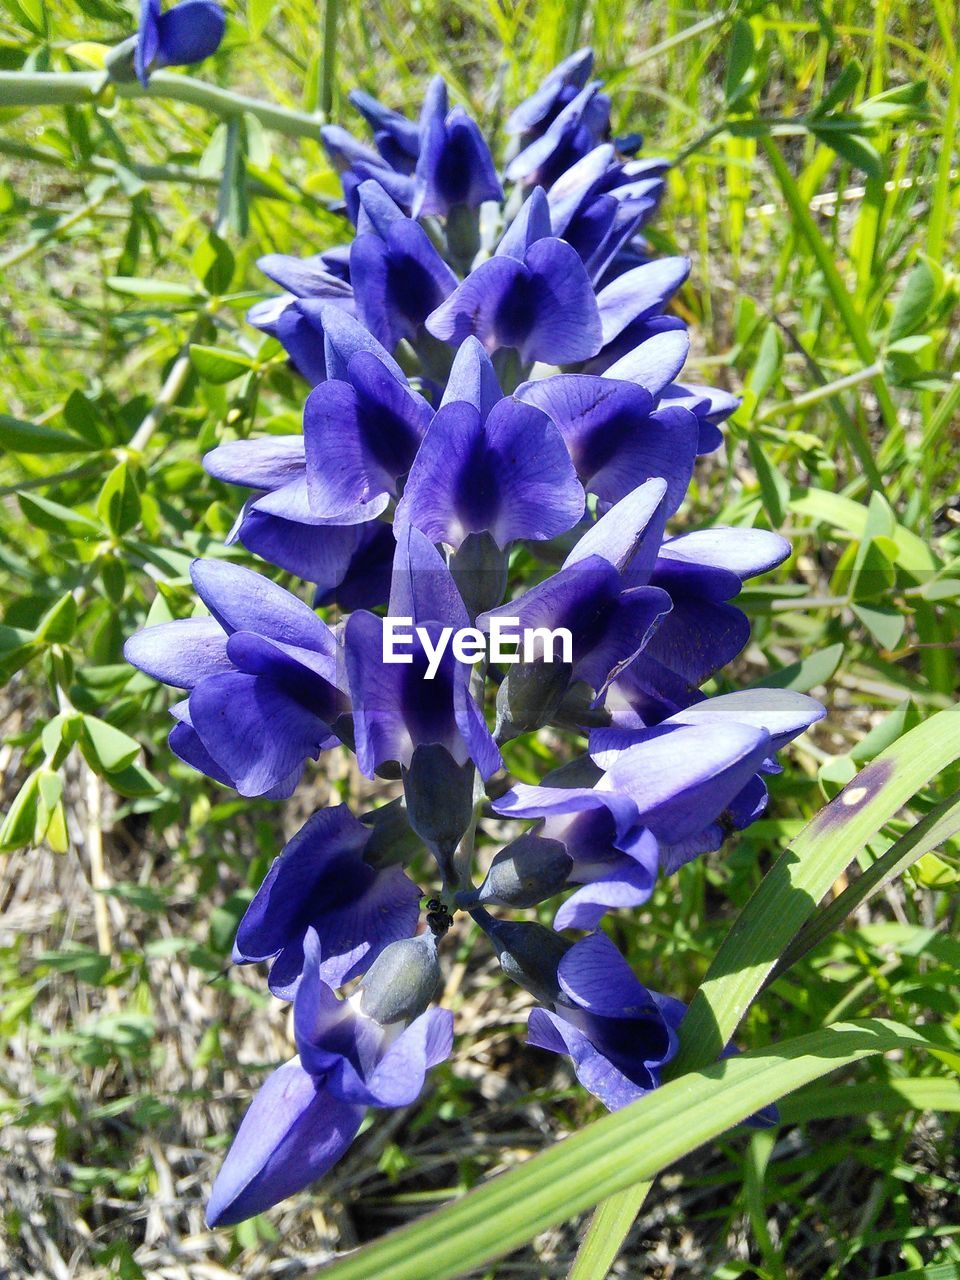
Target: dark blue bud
x=440, y=795
x=402, y=981
x=530, y=696
x=479, y=569
x=525, y=873
x=529, y=953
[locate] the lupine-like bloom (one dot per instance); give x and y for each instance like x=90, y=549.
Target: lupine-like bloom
x=352, y=1054
x=262, y=673
x=188, y=32
x=321, y=881
x=494, y=428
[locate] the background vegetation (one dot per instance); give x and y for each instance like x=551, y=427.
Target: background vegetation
x=823, y=234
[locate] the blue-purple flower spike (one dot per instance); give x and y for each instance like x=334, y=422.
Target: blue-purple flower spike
x=497, y=432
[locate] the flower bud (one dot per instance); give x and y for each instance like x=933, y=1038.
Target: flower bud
x=526, y=872
x=479, y=569
x=439, y=796
x=529, y=696
x=529, y=953
x=392, y=839
x=402, y=980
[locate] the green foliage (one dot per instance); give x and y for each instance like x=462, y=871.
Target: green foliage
x=816, y=192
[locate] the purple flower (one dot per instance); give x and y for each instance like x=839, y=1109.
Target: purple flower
x=599, y=204
x=609, y=877
x=574, y=132
x=534, y=295
x=535, y=114
x=320, y=881
x=397, y=138
x=702, y=572
x=399, y=276
x=397, y=707
x=616, y=437
x=618, y=1034
x=321, y=275
x=686, y=782
x=454, y=166
x=361, y=432
x=262, y=675
x=278, y=523
x=630, y=304
x=507, y=473
x=308, y=1112
x=609, y=620
x=187, y=33
x=356, y=163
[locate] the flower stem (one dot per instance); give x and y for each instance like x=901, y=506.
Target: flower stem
x=65, y=88
x=329, y=64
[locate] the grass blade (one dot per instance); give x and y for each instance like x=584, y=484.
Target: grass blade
x=788, y=895
x=848, y=312
x=607, y=1231
x=613, y=1153
x=931, y=831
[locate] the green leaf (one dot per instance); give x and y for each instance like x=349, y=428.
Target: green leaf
x=107, y=749
x=213, y=263
x=914, y=303
x=81, y=417
x=806, y=674
x=607, y=1231
x=940, y=824
x=53, y=517
x=935, y=1271
x=217, y=364
x=841, y=89
x=852, y=147
x=740, y=62
x=17, y=436
x=18, y=826
x=884, y=623
x=118, y=505
x=153, y=290
x=774, y=489
x=133, y=781
x=59, y=623
x=258, y=15
x=84, y=962
x=829, y=1102
x=612, y=1153
x=787, y=896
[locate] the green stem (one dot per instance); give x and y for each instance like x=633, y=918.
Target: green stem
x=855, y=326
x=65, y=88
x=821, y=393
x=329, y=64
x=152, y=172
x=70, y=220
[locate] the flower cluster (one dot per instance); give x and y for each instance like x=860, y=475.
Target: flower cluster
x=491, y=382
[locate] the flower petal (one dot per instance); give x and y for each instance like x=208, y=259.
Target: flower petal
x=293, y=1132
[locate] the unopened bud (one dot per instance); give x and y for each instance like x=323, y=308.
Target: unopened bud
x=528, y=697
x=526, y=872
x=439, y=797
x=402, y=980
x=479, y=569
x=392, y=840
x=529, y=953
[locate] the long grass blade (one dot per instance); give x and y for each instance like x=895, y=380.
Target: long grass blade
x=612, y=1153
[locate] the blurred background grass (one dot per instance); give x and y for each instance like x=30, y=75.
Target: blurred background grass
x=128, y=1049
